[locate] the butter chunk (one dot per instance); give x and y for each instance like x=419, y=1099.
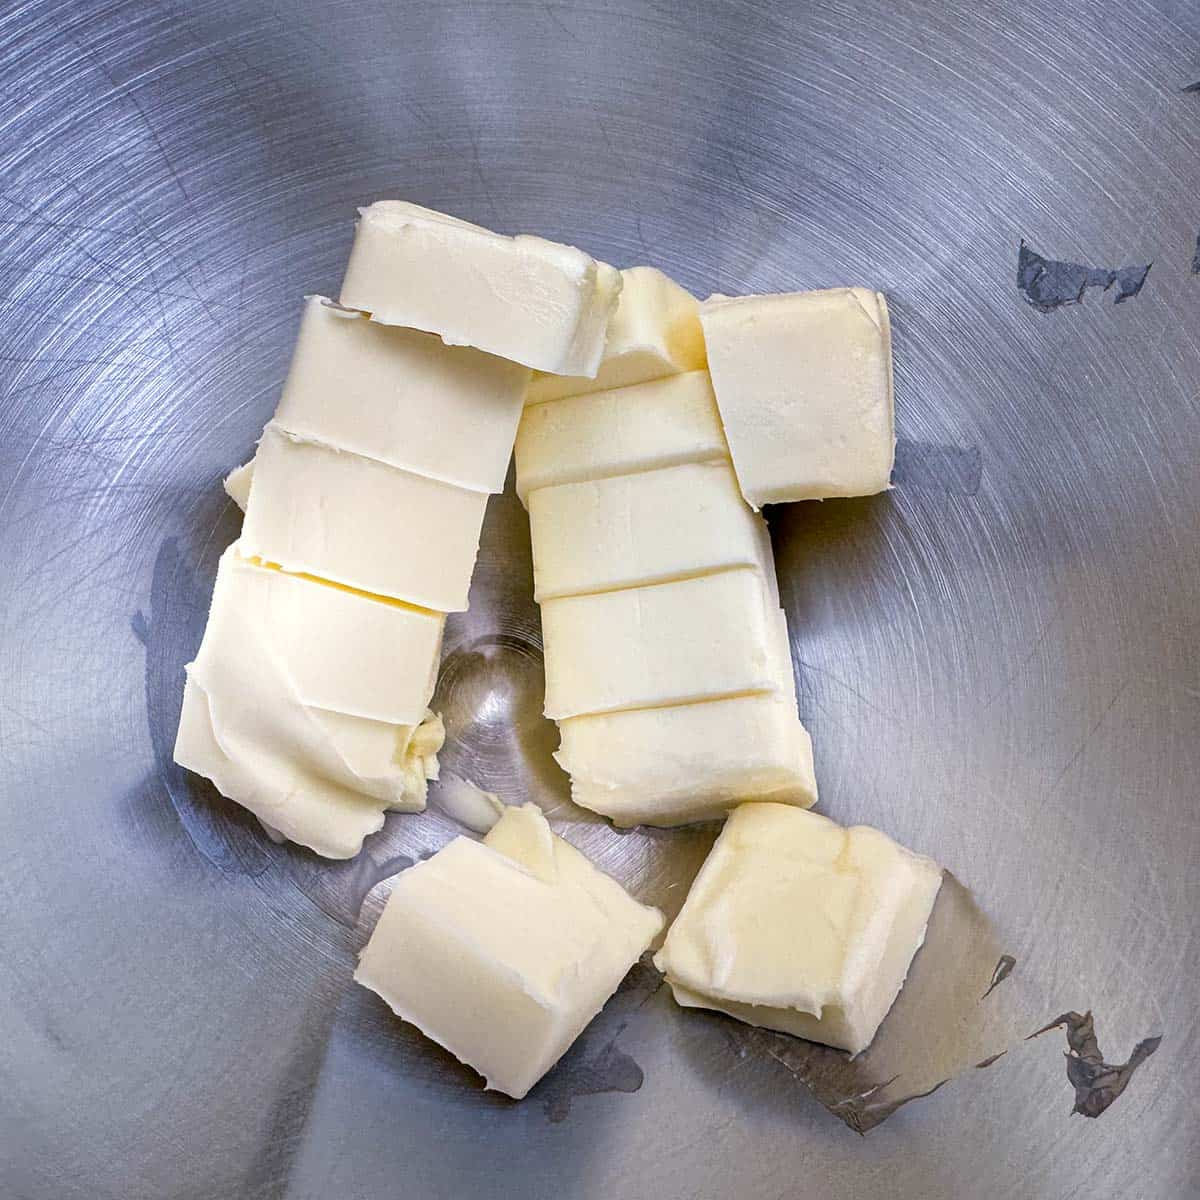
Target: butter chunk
x=670, y=643
x=797, y=924
x=674, y=523
x=658, y=424
x=691, y=762
x=654, y=332
x=503, y=951
x=237, y=484
x=804, y=385
x=317, y=777
x=522, y=298
x=402, y=397
x=345, y=651
x=319, y=511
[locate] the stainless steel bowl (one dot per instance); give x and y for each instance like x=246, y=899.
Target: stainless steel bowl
x=998, y=661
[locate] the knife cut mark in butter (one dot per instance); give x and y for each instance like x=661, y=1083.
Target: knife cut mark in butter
x=538, y=303
x=502, y=951
x=797, y=924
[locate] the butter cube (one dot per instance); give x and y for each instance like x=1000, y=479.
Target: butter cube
x=402, y=397
x=669, y=643
x=503, y=951
x=654, y=332
x=522, y=298
x=640, y=428
x=345, y=651
x=674, y=523
x=237, y=484
x=797, y=924
x=804, y=385
x=690, y=762
x=319, y=511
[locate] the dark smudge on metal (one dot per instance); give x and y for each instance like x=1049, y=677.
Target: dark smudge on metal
x=1196, y=257
x=992, y=1058
x=937, y=466
x=1003, y=969
x=1097, y=1083
x=1049, y=283
x=863, y=1111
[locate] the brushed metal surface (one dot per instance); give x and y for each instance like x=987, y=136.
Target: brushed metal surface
x=998, y=661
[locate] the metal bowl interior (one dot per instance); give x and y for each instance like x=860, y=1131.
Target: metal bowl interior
x=997, y=660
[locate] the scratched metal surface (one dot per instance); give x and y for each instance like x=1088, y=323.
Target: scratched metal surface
x=998, y=661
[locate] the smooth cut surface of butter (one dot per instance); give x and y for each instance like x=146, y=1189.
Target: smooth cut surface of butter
x=669, y=643
x=345, y=651
x=652, y=527
x=502, y=951
x=538, y=303
x=317, y=777
x=691, y=762
x=402, y=397
x=655, y=331
x=797, y=924
x=804, y=385
x=640, y=428
x=352, y=520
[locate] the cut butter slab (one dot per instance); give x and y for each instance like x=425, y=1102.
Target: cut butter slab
x=804, y=384
x=339, y=516
x=402, y=397
x=797, y=924
x=523, y=298
x=652, y=527
x=502, y=951
x=669, y=643
x=658, y=424
x=655, y=331
x=691, y=762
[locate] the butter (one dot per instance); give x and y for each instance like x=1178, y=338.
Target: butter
x=503, y=951
x=804, y=385
x=344, y=651
x=319, y=777
x=797, y=924
x=237, y=484
x=669, y=643
x=655, y=331
x=338, y=516
x=640, y=428
x=538, y=303
x=692, y=762
x=652, y=527
x=402, y=397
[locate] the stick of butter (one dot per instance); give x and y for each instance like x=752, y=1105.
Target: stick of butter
x=640, y=428
x=402, y=397
x=522, y=298
x=654, y=332
x=690, y=762
x=797, y=924
x=503, y=951
x=652, y=527
x=669, y=643
x=804, y=385
x=316, y=510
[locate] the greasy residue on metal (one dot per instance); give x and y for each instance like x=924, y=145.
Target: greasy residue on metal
x=1097, y=1083
x=991, y=1058
x=1003, y=970
x=1196, y=257
x=938, y=466
x=1049, y=283
x=862, y=1111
